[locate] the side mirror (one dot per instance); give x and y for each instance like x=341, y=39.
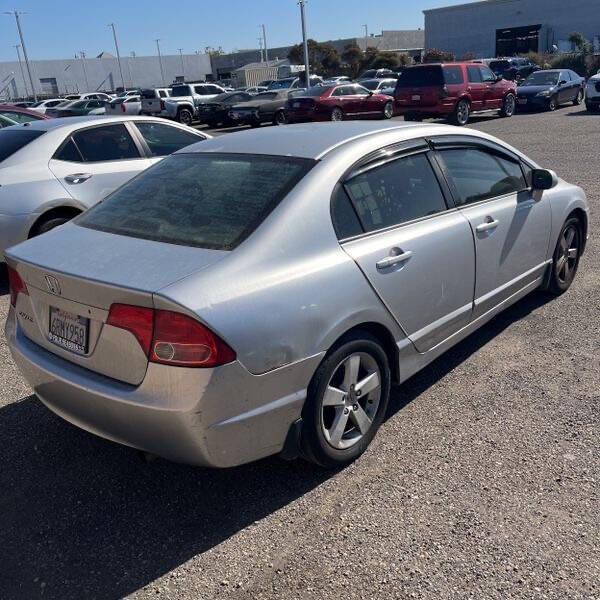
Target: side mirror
x=543, y=179
x=562, y=82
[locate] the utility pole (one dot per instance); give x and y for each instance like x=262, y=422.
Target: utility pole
x=112, y=26
x=162, y=74
x=182, y=65
x=366, y=37
x=17, y=46
x=260, y=48
x=265, y=43
x=305, y=43
x=17, y=15
x=87, y=83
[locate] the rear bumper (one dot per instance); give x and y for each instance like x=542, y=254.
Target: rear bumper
x=212, y=417
x=442, y=108
x=13, y=229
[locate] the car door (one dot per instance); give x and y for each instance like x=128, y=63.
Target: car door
x=416, y=253
x=509, y=221
x=162, y=139
x=94, y=161
x=564, y=87
x=476, y=87
x=493, y=94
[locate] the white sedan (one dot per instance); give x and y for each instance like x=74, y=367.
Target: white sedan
x=51, y=170
x=129, y=105
x=43, y=105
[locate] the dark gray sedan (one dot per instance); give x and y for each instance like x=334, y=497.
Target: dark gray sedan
x=550, y=88
x=268, y=107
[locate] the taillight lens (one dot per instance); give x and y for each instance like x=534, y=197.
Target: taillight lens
x=162, y=105
x=171, y=338
x=122, y=106
x=183, y=341
x=17, y=286
x=444, y=92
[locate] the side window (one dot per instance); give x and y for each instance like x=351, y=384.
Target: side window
x=162, y=94
x=478, y=174
x=565, y=75
x=453, y=75
x=199, y=89
x=111, y=142
x=528, y=172
x=165, y=139
x=487, y=75
x=398, y=191
x=68, y=151
x=343, y=215
x=474, y=74
x=337, y=92
x=358, y=90
x=18, y=117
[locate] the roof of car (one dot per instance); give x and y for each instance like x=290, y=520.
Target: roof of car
x=75, y=122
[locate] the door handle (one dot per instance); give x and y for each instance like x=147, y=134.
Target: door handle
x=394, y=259
x=77, y=177
x=489, y=224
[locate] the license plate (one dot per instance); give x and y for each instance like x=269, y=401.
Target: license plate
x=296, y=104
x=521, y=100
x=68, y=330
x=416, y=97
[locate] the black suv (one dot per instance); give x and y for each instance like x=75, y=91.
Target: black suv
x=513, y=68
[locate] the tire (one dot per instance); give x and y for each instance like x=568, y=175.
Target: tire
x=388, y=110
x=508, y=106
x=337, y=114
x=49, y=223
x=461, y=113
x=578, y=99
x=552, y=104
x=185, y=116
x=566, y=256
x=280, y=118
x=336, y=433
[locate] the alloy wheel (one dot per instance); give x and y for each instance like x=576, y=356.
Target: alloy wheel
x=388, y=110
x=509, y=105
x=351, y=400
x=337, y=114
x=462, y=112
x=579, y=98
x=552, y=104
x=566, y=263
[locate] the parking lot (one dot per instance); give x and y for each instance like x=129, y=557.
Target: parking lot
x=483, y=482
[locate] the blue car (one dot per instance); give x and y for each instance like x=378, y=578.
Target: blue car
x=550, y=88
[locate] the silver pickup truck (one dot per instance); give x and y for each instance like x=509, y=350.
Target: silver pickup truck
x=187, y=97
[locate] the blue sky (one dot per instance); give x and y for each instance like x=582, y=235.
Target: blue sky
x=59, y=28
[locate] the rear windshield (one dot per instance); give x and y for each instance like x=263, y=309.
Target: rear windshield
x=207, y=200
x=12, y=140
x=148, y=94
x=499, y=65
x=421, y=77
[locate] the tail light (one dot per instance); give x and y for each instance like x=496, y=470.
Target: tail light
x=444, y=92
x=171, y=338
x=162, y=105
x=122, y=106
x=17, y=286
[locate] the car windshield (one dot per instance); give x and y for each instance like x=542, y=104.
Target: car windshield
x=281, y=84
x=207, y=200
x=79, y=104
x=499, y=65
x=542, y=78
x=181, y=90
x=12, y=140
x=421, y=76
x=370, y=84
x=314, y=91
x=265, y=96
x=65, y=103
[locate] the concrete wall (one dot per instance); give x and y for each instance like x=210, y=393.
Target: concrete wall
x=103, y=73
x=472, y=27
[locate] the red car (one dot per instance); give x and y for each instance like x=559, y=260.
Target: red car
x=338, y=102
x=454, y=90
x=20, y=115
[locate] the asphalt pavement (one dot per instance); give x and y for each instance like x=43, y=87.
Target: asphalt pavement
x=484, y=481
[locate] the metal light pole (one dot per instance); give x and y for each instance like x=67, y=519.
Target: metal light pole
x=162, y=74
x=265, y=43
x=17, y=46
x=260, y=48
x=366, y=37
x=305, y=42
x=82, y=56
x=112, y=26
x=17, y=15
x=182, y=64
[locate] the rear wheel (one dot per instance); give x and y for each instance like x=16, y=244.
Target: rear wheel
x=508, y=106
x=45, y=224
x=578, y=99
x=280, y=118
x=185, y=116
x=461, y=113
x=347, y=401
x=337, y=114
x=566, y=256
x=388, y=110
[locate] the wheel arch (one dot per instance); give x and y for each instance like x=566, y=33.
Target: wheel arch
x=51, y=212
x=580, y=214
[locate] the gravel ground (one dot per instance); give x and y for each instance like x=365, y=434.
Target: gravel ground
x=483, y=482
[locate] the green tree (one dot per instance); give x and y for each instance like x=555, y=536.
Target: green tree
x=323, y=58
x=352, y=58
x=433, y=55
x=579, y=41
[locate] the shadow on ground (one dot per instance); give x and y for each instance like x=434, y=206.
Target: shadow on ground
x=3, y=279
x=83, y=517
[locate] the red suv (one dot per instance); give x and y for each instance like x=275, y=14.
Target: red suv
x=454, y=90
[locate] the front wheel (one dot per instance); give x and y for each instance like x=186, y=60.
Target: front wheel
x=552, y=104
x=347, y=401
x=461, y=113
x=388, y=110
x=508, y=106
x=578, y=99
x=337, y=114
x=185, y=116
x=566, y=256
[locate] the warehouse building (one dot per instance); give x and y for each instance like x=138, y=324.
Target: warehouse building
x=508, y=27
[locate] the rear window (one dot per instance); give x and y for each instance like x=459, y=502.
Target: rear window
x=12, y=140
x=421, y=77
x=182, y=90
x=148, y=94
x=207, y=200
x=453, y=75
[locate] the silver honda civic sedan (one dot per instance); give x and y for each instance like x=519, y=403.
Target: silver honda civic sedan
x=260, y=292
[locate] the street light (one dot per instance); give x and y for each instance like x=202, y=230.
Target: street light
x=264, y=32
x=82, y=56
x=17, y=14
x=182, y=64
x=112, y=26
x=17, y=46
x=162, y=74
x=304, y=42
x=366, y=37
